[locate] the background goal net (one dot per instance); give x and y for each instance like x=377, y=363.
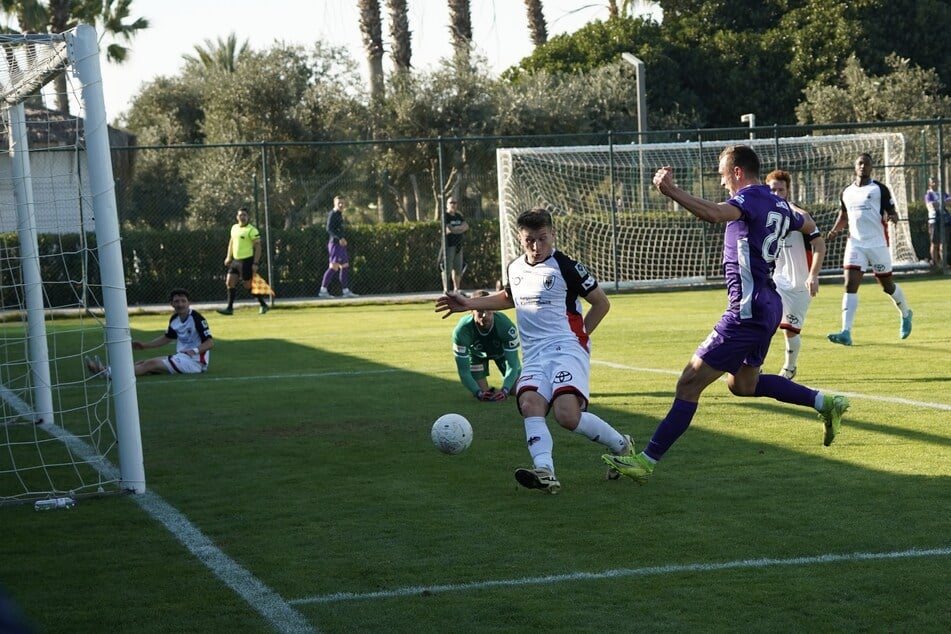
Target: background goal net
x=608, y=215
x=62, y=287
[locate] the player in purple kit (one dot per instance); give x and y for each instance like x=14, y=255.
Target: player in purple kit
x=338, y=257
x=756, y=221
x=545, y=287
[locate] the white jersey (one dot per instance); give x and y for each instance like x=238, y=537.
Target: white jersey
x=792, y=262
x=189, y=332
x=547, y=304
x=867, y=207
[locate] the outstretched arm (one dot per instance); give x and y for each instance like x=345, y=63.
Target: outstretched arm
x=457, y=303
x=699, y=207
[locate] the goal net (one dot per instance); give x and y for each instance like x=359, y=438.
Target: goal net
x=63, y=432
x=608, y=215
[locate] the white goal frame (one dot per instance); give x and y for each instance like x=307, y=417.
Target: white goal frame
x=31, y=62
x=608, y=215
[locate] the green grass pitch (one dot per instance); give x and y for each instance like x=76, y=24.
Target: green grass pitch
x=303, y=458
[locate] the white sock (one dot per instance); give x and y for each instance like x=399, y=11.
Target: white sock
x=323, y=289
x=850, y=303
x=793, y=345
x=594, y=428
x=540, y=443
x=820, y=401
x=899, y=298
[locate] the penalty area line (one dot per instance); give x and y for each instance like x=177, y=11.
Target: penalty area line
x=262, y=599
x=338, y=597
x=871, y=397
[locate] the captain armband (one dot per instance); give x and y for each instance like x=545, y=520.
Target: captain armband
x=815, y=234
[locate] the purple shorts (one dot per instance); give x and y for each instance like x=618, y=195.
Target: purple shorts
x=735, y=342
x=338, y=254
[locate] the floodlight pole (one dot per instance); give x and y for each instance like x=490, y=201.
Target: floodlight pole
x=749, y=118
x=639, y=72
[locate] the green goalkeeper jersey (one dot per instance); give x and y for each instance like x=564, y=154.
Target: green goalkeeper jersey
x=500, y=343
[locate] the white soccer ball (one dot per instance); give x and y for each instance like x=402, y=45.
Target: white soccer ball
x=452, y=433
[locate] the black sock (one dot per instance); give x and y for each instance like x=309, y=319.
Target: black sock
x=232, y=292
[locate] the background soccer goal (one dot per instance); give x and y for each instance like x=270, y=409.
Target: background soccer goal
x=62, y=286
x=608, y=215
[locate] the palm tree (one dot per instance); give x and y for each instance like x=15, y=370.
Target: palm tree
x=536, y=22
x=371, y=26
x=460, y=29
x=58, y=16
x=221, y=55
x=400, y=33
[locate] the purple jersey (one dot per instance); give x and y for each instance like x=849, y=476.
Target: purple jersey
x=751, y=244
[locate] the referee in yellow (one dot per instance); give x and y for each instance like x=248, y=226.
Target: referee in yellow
x=242, y=260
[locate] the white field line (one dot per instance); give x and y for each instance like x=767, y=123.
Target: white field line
x=871, y=397
x=275, y=610
x=338, y=597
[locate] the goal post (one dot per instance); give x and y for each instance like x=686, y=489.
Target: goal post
x=608, y=215
x=62, y=297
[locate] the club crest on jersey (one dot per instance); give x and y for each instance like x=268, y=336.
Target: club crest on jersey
x=516, y=281
x=549, y=282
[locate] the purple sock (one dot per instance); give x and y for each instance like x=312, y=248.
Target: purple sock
x=782, y=389
x=345, y=277
x=328, y=275
x=671, y=428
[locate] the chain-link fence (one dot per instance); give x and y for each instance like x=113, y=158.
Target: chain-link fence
x=177, y=203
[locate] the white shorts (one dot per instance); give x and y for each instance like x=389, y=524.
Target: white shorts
x=879, y=259
x=563, y=368
x=181, y=363
x=795, y=304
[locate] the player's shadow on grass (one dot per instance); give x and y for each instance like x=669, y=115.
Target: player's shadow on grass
x=859, y=407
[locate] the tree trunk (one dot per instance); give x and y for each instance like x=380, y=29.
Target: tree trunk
x=536, y=22
x=400, y=34
x=371, y=26
x=460, y=28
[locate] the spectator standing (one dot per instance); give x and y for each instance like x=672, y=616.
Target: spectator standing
x=338, y=256
x=452, y=263
x=937, y=214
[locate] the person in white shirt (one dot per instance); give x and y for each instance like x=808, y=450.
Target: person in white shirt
x=796, y=274
x=865, y=208
x=545, y=287
x=193, y=343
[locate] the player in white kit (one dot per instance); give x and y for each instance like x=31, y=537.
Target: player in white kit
x=796, y=274
x=866, y=205
x=545, y=287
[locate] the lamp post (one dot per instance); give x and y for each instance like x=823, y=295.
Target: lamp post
x=749, y=118
x=641, y=94
x=641, y=116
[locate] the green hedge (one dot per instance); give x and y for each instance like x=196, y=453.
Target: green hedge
x=385, y=259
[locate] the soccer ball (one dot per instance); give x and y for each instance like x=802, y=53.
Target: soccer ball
x=452, y=434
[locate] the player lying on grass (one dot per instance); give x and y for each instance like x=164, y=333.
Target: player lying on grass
x=192, y=337
x=756, y=220
x=545, y=288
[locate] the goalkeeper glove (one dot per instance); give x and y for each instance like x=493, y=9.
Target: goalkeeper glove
x=501, y=395
x=485, y=395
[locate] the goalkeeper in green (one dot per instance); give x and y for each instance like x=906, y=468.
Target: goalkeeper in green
x=480, y=337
